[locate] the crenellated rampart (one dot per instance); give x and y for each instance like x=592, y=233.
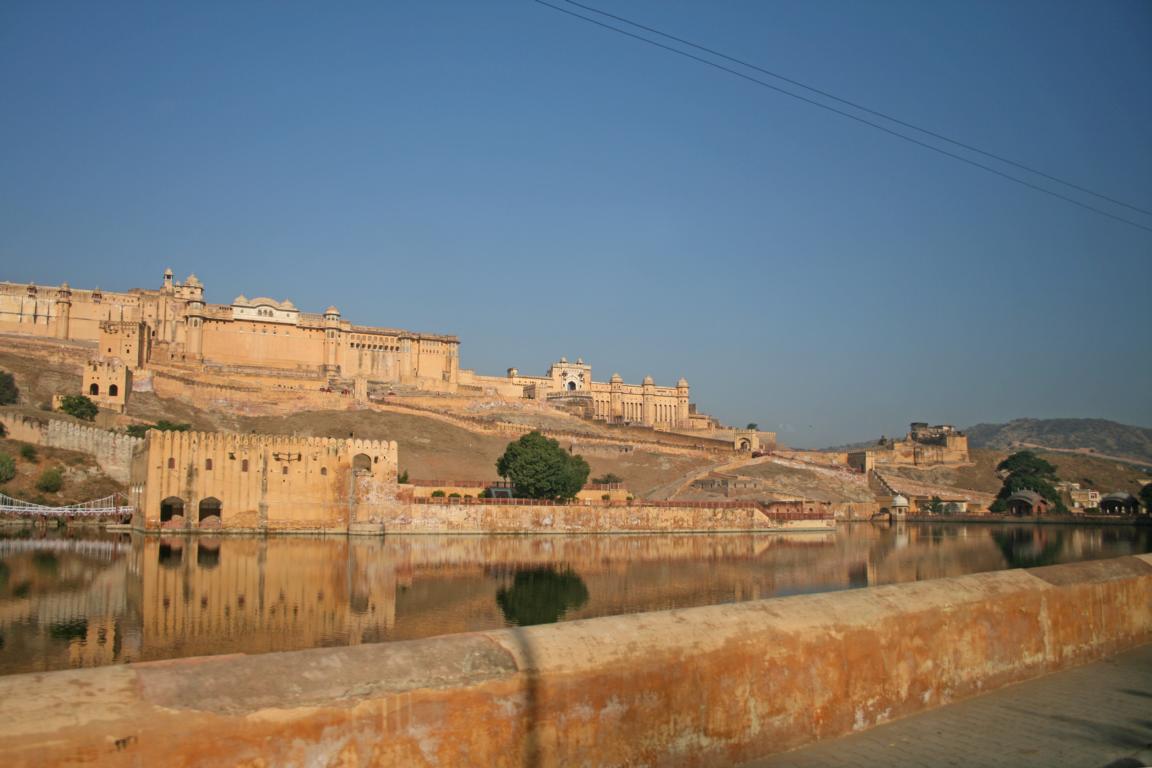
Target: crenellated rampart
x=113, y=451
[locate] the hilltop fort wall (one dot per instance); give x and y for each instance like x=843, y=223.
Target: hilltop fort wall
x=174, y=324
x=113, y=451
x=923, y=446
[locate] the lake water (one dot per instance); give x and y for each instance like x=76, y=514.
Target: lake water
x=84, y=598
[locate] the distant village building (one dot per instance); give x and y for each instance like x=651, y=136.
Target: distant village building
x=1082, y=498
x=1120, y=503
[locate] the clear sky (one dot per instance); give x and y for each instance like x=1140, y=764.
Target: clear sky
x=542, y=187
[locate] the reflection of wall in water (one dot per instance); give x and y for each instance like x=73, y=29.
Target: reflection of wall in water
x=210, y=595
x=63, y=602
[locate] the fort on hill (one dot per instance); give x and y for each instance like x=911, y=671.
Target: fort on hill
x=260, y=340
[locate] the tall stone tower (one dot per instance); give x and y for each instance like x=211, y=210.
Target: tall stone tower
x=682, y=410
x=63, y=310
x=331, y=341
x=194, y=317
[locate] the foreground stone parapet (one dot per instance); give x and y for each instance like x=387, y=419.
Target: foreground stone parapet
x=712, y=685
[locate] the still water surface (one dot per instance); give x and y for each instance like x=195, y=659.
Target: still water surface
x=80, y=599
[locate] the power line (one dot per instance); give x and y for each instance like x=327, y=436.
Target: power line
x=862, y=108
x=848, y=115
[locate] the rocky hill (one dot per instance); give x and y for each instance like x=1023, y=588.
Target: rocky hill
x=1092, y=436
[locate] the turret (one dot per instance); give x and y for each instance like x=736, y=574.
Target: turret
x=616, y=398
x=194, y=317
x=331, y=341
x=63, y=310
x=648, y=402
x=682, y=407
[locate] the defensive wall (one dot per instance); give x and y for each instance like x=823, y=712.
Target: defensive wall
x=714, y=685
x=112, y=451
x=184, y=481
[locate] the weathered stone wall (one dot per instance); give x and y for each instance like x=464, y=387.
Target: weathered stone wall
x=112, y=451
x=714, y=685
x=444, y=516
x=261, y=482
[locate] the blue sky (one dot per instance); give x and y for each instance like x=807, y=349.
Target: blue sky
x=542, y=187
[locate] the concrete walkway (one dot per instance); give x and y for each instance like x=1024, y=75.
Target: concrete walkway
x=1092, y=716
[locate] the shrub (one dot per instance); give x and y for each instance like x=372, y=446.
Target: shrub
x=608, y=479
x=606, y=497
x=7, y=468
x=437, y=494
x=9, y=393
x=79, y=406
x=402, y=477
x=50, y=480
x=453, y=495
x=28, y=452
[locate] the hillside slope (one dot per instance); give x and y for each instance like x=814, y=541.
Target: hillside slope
x=1086, y=435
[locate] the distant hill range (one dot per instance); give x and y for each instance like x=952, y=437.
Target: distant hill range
x=1097, y=437
x=1093, y=436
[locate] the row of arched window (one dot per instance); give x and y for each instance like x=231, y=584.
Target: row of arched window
x=113, y=390
x=244, y=466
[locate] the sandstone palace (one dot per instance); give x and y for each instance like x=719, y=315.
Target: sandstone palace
x=172, y=328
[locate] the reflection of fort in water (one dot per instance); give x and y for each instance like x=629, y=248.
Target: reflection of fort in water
x=142, y=598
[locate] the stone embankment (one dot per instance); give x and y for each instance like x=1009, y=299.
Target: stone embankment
x=704, y=686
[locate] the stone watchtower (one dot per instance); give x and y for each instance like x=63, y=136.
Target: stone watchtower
x=648, y=393
x=331, y=342
x=616, y=398
x=63, y=310
x=194, y=317
x=682, y=409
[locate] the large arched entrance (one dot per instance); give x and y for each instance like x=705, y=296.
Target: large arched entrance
x=210, y=507
x=171, y=507
x=362, y=462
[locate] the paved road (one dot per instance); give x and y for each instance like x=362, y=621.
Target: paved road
x=1092, y=716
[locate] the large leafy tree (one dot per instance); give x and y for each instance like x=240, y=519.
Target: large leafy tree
x=540, y=469
x=1028, y=472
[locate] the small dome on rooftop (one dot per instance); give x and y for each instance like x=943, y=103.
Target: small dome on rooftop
x=683, y=382
x=616, y=378
x=899, y=501
x=648, y=380
x=331, y=311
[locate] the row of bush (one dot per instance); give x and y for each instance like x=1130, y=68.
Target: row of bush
x=50, y=480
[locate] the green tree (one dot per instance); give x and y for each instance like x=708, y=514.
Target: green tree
x=540, y=469
x=752, y=425
x=1028, y=472
x=402, y=477
x=79, y=406
x=608, y=479
x=936, y=505
x=50, y=480
x=9, y=393
x=7, y=468
x=1027, y=463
